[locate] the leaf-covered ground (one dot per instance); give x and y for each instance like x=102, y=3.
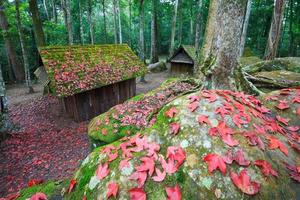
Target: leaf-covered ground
x=45, y=145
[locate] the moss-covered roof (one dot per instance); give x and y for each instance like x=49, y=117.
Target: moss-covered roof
x=190, y=50
x=74, y=69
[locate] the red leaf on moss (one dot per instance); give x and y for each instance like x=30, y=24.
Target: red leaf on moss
x=293, y=171
x=171, y=112
x=282, y=105
x=244, y=183
x=148, y=164
x=112, y=190
x=104, y=131
x=193, y=106
x=193, y=98
x=298, y=111
x=38, y=196
x=294, y=128
x=174, y=128
x=160, y=176
x=296, y=99
x=176, y=154
x=102, y=171
x=254, y=140
x=124, y=163
x=282, y=120
x=173, y=193
x=274, y=143
x=222, y=111
x=214, y=162
x=298, y=169
x=203, y=119
x=266, y=168
x=84, y=197
x=209, y=95
x=72, y=185
x=238, y=157
x=112, y=156
x=137, y=194
x=237, y=119
x=33, y=182
x=139, y=177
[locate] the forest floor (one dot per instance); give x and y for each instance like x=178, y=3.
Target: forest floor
x=45, y=144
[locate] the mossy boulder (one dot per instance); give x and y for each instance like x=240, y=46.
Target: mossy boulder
x=237, y=130
x=137, y=113
x=245, y=61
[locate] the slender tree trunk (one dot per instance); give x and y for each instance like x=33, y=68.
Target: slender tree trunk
x=46, y=9
x=68, y=21
x=154, y=50
x=54, y=13
x=130, y=23
x=115, y=21
x=91, y=22
x=245, y=27
x=222, y=41
x=104, y=21
x=291, y=33
x=142, y=39
x=24, y=53
x=191, y=25
x=275, y=30
x=10, y=49
x=5, y=121
x=37, y=24
x=180, y=22
x=80, y=23
x=173, y=29
x=198, y=27
x=120, y=26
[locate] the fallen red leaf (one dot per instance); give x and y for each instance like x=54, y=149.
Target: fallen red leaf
x=244, y=183
x=174, y=128
x=282, y=105
x=298, y=111
x=209, y=95
x=254, y=140
x=203, y=119
x=72, y=185
x=266, y=168
x=160, y=176
x=193, y=98
x=293, y=172
x=102, y=171
x=147, y=164
x=214, y=162
x=238, y=157
x=38, y=196
x=282, y=120
x=137, y=194
x=112, y=190
x=171, y=112
x=274, y=143
x=193, y=106
x=139, y=177
x=33, y=182
x=104, y=131
x=173, y=193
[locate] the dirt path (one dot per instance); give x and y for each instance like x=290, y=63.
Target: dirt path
x=46, y=145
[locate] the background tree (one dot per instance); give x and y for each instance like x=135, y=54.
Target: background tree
x=154, y=50
x=245, y=27
x=198, y=26
x=90, y=20
x=173, y=30
x=37, y=24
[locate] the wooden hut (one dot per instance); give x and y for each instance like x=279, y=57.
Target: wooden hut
x=91, y=79
x=183, y=60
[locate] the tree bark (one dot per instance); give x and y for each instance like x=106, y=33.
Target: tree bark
x=222, y=41
x=91, y=25
x=115, y=21
x=24, y=53
x=275, y=30
x=173, y=29
x=191, y=24
x=104, y=21
x=54, y=13
x=130, y=23
x=291, y=33
x=37, y=24
x=120, y=25
x=80, y=23
x=198, y=27
x=9, y=47
x=180, y=22
x=154, y=50
x=142, y=25
x=68, y=21
x=46, y=9
x=245, y=27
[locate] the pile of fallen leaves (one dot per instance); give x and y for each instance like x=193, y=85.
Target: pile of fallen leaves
x=45, y=145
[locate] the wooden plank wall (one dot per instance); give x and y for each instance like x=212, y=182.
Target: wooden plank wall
x=86, y=105
x=181, y=68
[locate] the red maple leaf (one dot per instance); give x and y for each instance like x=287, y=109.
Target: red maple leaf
x=294, y=128
x=33, y=182
x=104, y=131
x=296, y=99
x=282, y=120
x=214, y=162
x=193, y=106
x=38, y=196
x=203, y=119
x=274, y=143
x=160, y=176
x=193, y=98
x=244, y=183
x=112, y=190
x=102, y=171
x=238, y=157
x=148, y=164
x=137, y=194
x=266, y=168
x=139, y=177
x=173, y=193
x=176, y=154
x=225, y=133
x=293, y=172
x=174, y=128
x=222, y=111
x=282, y=105
x=171, y=112
x=124, y=163
x=298, y=111
x=237, y=119
x=254, y=140
x=112, y=156
x=209, y=95
x=72, y=185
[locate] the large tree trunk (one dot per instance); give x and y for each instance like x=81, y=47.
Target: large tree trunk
x=80, y=23
x=173, y=29
x=245, y=27
x=115, y=21
x=24, y=53
x=68, y=21
x=120, y=25
x=5, y=123
x=37, y=23
x=275, y=30
x=9, y=47
x=198, y=27
x=222, y=43
x=142, y=39
x=91, y=22
x=154, y=51
x=104, y=21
